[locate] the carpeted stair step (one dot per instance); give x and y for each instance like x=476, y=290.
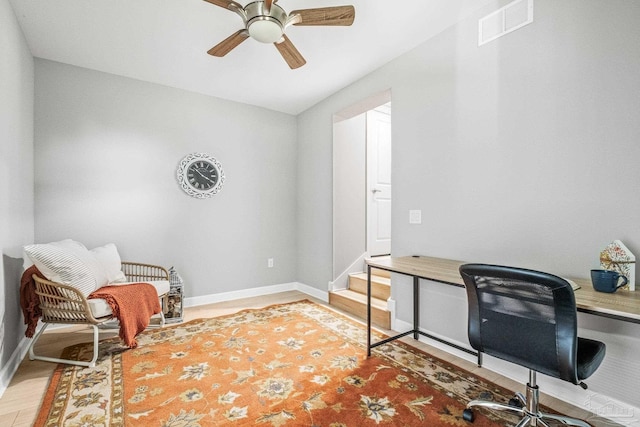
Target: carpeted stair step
x=356, y=304
x=380, y=286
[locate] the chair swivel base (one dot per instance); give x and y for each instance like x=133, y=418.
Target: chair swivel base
x=527, y=408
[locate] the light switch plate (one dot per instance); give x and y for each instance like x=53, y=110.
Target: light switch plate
x=415, y=217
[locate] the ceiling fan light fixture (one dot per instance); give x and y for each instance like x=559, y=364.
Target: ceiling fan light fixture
x=265, y=29
x=265, y=21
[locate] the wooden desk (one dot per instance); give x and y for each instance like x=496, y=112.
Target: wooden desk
x=622, y=305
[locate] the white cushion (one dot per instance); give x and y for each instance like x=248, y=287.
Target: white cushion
x=109, y=258
x=100, y=308
x=70, y=263
x=26, y=261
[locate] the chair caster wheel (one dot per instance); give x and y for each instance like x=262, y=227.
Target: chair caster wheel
x=467, y=415
x=514, y=401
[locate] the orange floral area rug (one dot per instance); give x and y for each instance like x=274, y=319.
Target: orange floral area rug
x=296, y=364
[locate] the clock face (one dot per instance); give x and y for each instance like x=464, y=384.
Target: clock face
x=200, y=175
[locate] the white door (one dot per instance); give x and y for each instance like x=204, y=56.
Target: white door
x=379, y=182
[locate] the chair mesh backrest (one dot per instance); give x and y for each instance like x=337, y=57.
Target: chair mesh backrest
x=523, y=316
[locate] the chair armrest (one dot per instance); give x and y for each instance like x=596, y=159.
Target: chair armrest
x=63, y=303
x=138, y=272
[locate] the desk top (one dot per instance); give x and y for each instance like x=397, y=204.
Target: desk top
x=622, y=305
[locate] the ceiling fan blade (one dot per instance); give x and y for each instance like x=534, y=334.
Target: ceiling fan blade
x=290, y=53
x=267, y=5
x=338, y=15
x=227, y=4
x=228, y=44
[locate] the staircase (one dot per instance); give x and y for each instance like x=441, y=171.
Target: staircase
x=354, y=299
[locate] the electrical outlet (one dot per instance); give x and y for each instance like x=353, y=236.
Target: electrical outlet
x=415, y=217
x=270, y=263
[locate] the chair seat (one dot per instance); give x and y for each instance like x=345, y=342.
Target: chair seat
x=590, y=355
x=100, y=308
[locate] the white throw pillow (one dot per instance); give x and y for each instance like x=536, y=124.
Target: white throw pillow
x=109, y=257
x=26, y=261
x=70, y=263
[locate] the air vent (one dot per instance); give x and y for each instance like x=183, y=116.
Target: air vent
x=509, y=18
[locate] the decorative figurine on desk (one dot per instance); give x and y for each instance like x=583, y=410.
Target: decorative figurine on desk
x=617, y=257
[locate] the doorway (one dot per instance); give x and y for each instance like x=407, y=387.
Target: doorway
x=361, y=186
x=379, y=180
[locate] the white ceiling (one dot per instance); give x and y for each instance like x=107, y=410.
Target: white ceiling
x=165, y=42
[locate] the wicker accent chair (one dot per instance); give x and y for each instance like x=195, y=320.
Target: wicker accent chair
x=63, y=304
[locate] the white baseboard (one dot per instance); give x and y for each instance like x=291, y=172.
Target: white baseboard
x=310, y=290
x=8, y=370
x=256, y=292
x=604, y=406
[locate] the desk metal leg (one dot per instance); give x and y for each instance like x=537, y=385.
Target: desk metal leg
x=416, y=307
x=368, y=310
x=416, y=321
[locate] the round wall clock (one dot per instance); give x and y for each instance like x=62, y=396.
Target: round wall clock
x=200, y=175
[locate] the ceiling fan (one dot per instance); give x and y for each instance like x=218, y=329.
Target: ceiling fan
x=266, y=22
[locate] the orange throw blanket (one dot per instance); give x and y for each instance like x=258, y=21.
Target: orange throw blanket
x=133, y=305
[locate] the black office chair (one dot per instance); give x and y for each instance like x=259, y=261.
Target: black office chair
x=528, y=318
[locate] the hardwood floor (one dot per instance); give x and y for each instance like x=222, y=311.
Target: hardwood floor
x=20, y=403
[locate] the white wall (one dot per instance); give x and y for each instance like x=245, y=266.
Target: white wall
x=107, y=149
x=523, y=152
x=349, y=186
x=16, y=180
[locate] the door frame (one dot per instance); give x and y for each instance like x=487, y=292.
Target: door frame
x=340, y=277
